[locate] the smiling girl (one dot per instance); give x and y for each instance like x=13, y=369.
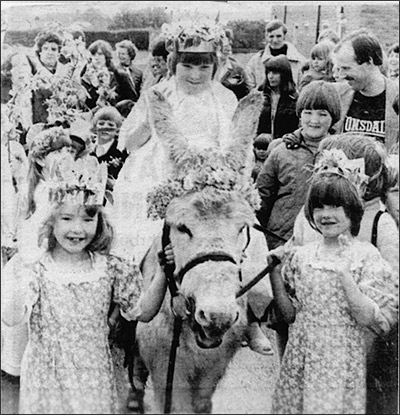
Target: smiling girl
x=65, y=293
x=332, y=293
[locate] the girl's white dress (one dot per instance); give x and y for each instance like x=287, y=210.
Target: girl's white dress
x=67, y=367
x=204, y=120
x=323, y=369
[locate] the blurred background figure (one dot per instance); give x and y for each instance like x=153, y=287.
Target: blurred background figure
x=157, y=69
x=278, y=116
x=126, y=52
x=393, y=62
x=260, y=147
x=321, y=65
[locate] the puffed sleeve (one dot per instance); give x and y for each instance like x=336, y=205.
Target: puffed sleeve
x=135, y=130
x=290, y=268
x=19, y=291
x=128, y=283
x=376, y=280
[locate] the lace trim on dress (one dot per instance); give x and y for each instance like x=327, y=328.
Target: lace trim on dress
x=78, y=275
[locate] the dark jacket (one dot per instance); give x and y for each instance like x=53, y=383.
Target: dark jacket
x=286, y=120
x=119, y=80
x=114, y=159
x=283, y=183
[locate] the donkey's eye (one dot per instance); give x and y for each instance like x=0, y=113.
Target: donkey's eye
x=184, y=229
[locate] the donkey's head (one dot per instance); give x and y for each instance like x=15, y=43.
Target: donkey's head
x=209, y=205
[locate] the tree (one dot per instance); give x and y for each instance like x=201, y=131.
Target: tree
x=148, y=17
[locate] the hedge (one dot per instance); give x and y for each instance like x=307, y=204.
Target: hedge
x=140, y=37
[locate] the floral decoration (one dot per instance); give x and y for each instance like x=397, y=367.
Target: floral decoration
x=208, y=171
x=335, y=161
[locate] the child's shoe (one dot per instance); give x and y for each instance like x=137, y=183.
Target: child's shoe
x=257, y=340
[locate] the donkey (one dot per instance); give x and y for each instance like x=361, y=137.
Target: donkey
x=209, y=217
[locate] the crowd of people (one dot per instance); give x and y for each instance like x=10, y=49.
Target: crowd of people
x=80, y=154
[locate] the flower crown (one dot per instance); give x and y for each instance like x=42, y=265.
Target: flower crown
x=193, y=37
x=82, y=181
x=335, y=161
x=47, y=141
x=203, y=171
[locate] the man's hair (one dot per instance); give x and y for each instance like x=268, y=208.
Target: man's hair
x=159, y=48
x=274, y=25
x=129, y=46
x=105, y=48
x=45, y=37
x=366, y=47
x=76, y=34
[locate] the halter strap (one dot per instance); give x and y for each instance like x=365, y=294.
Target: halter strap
x=219, y=257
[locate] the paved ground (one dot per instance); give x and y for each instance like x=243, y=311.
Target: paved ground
x=246, y=388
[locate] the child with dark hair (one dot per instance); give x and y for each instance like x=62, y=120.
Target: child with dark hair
x=331, y=292
x=260, y=145
x=279, y=114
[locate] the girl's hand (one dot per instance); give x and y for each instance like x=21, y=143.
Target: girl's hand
x=344, y=260
x=167, y=257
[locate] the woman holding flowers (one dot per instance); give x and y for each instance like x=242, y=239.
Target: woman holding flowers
x=104, y=84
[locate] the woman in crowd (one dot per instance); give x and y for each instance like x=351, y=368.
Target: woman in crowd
x=279, y=114
x=104, y=84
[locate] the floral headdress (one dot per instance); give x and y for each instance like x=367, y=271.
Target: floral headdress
x=82, y=181
x=335, y=161
x=193, y=36
x=48, y=140
x=209, y=171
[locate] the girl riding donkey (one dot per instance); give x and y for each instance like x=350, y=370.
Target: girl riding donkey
x=203, y=110
x=65, y=293
x=332, y=293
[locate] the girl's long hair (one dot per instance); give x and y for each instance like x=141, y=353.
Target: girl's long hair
x=281, y=65
x=323, y=50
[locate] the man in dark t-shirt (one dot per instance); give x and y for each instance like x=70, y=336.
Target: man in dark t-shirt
x=366, y=94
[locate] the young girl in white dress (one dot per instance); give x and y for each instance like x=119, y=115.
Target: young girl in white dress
x=65, y=293
x=203, y=110
x=332, y=293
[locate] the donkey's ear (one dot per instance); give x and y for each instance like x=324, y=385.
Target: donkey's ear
x=166, y=127
x=245, y=123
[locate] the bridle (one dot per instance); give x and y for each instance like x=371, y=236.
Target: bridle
x=179, y=317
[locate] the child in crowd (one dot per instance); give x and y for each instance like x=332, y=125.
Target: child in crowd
x=106, y=124
x=260, y=146
x=65, y=293
x=320, y=65
x=332, y=292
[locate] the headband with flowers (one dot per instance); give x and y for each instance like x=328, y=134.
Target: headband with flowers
x=205, y=171
x=194, y=36
x=82, y=181
x=335, y=161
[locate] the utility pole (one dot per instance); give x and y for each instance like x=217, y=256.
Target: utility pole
x=318, y=22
